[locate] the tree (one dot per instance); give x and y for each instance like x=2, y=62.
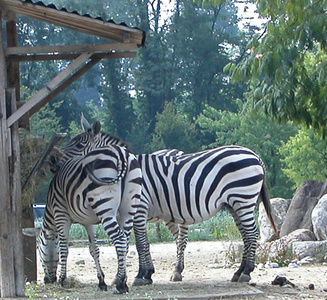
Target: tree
x=173, y=130
x=286, y=64
x=305, y=157
x=256, y=132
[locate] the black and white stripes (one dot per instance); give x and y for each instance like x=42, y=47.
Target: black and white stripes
x=178, y=188
x=94, y=183
x=183, y=189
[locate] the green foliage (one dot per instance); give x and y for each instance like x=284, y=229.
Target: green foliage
x=173, y=130
x=255, y=131
x=219, y=227
x=305, y=157
x=182, y=62
x=286, y=64
x=46, y=122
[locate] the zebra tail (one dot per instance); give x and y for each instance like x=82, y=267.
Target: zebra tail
x=122, y=169
x=267, y=205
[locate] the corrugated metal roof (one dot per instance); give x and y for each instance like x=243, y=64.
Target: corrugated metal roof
x=74, y=20
x=51, y=5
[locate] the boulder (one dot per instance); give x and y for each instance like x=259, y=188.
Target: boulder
x=319, y=219
x=323, y=190
x=300, y=210
x=282, y=247
x=315, y=249
x=279, y=207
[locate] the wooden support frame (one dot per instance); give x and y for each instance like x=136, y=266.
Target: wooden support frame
x=7, y=274
x=125, y=42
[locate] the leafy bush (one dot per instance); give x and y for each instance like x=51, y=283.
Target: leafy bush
x=305, y=157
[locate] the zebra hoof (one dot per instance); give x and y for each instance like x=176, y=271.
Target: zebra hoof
x=103, y=286
x=121, y=289
x=176, y=277
x=48, y=280
x=235, y=278
x=244, y=278
x=121, y=286
x=141, y=281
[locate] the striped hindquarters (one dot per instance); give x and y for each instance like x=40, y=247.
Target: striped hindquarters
x=190, y=188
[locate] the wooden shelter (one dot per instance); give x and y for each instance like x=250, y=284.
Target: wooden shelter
x=123, y=41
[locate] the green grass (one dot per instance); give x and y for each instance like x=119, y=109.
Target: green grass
x=219, y=227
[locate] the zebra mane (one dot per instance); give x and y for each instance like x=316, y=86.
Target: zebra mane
x=115, y=140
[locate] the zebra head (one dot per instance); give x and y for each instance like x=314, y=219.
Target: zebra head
x=84, y=142
x=48, y=246
x=90, y=139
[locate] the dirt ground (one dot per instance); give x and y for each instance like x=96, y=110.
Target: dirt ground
x=204, y=277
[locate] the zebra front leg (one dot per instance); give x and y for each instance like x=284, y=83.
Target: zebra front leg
x=94, y=251
x=180, y=236
x=146, y=268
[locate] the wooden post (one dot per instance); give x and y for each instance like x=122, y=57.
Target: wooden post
x=16, y=201
x=29, y=249
x=7, y=273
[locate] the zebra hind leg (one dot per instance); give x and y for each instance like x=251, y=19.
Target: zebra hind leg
x=120, y=240
x=94, y=251
x=63, y=250
x=146, y=268
x=180, y=236
x=249, y=235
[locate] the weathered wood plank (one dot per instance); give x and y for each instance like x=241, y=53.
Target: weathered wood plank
x=7, y=276
x=65, y=84
x=69, y=56
x=70, y=48
x=41, y=94
x=16, y=202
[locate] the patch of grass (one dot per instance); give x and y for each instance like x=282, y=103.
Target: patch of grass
x=220, y=227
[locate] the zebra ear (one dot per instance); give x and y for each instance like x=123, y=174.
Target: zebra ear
x=85, y=124
x=96, y=127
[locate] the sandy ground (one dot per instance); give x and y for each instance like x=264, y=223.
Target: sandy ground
x=204, y=277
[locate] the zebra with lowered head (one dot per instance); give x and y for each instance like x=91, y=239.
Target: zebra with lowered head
x=102, y=185
x=183, y=189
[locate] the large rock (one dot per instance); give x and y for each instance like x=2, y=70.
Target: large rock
x=282, y=247
x=319, y=219
x=323, y=190
x=280, y=207
x=300, y=210
x=315, y=249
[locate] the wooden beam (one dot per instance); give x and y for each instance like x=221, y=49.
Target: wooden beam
x=7, y=272
x=13, y=70
x=45, y=91
x=69, y=56
x=70, y=48
x=64, y=84
x=16, y=202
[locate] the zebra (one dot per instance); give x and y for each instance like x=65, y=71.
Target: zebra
x=102, y=186
x=183, y=189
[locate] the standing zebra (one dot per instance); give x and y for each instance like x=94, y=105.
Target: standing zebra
x=183, y=189
x=103, y=184
x=186, y=189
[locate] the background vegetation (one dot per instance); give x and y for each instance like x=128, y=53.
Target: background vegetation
x=208, y=76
